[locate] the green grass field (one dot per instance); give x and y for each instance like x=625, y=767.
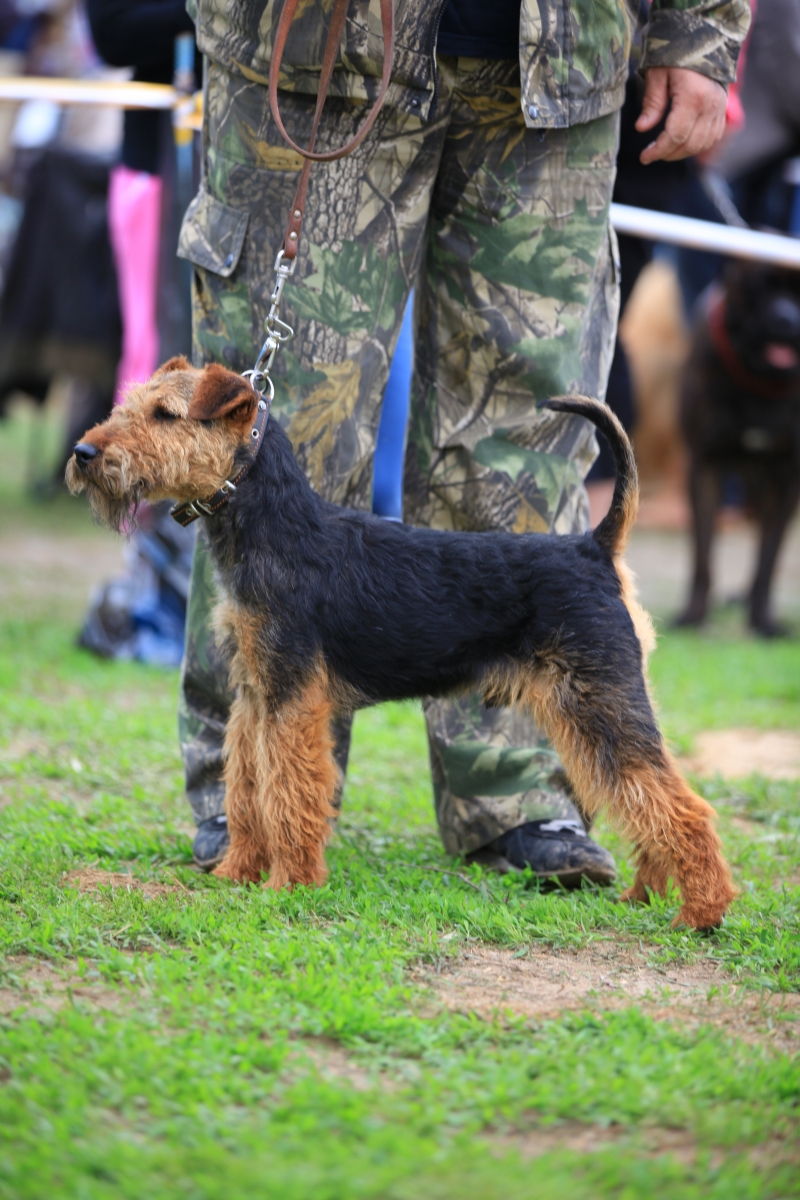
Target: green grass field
x=164, y=1034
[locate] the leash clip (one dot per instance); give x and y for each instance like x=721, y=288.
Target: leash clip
x=277, y=332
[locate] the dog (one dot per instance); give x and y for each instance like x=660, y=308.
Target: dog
x=328, y=610
x=740, y=415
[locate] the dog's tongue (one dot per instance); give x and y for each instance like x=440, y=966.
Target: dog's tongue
x=779, y=355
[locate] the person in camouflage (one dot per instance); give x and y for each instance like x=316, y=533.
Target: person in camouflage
x=485, y=184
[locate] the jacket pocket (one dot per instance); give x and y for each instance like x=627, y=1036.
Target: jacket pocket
x=212, y=234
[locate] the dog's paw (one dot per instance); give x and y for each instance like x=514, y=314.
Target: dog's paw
x=767, y=628
x=704, y=918
x=637, y=894
x=238, y=871
x=689, y=619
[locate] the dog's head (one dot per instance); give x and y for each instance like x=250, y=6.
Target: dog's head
x=762, y=314
x=174, y=438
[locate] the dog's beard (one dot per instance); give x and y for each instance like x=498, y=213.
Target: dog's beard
x=115, y=512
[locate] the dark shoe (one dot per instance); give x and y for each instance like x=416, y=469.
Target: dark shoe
x=558, y=849
x=211, y=842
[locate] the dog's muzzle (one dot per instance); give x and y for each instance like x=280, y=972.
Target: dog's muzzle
x=84, y=453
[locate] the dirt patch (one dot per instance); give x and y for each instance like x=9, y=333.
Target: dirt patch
x=333, y=1062
x=21, y=747
x=736, y=753
x=99, y=551
x=33, y=988
x=545, y=983
x=91, y=879
x=37, y=567
x=679, y=1144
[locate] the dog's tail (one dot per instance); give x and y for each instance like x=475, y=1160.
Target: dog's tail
x=613, y=531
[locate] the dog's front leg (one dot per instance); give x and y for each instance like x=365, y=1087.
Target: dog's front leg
x=704, y=492
x=299, y=809
x=775, y=508
x=248, y=854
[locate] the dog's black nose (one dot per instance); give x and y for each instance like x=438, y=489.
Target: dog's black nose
x=84, y=453
x=783, y=315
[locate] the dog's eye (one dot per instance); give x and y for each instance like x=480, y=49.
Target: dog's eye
x=162, y=414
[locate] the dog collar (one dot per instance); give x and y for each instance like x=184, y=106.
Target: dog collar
x=190, y=510
x=738, y=372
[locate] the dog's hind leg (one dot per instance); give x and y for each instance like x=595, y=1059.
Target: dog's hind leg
x=673, y=831
x=615, y=757
x=247, y=856
x=303, y=777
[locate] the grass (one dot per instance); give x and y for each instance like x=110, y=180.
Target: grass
x=201, y=1040
x=725, y=682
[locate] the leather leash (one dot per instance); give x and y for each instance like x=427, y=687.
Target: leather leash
x=278, y=331
x=335, y=31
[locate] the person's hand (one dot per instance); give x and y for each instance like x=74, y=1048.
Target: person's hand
x=696, y=121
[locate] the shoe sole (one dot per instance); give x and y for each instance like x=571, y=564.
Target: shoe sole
x=208, y=864
x=566, y=879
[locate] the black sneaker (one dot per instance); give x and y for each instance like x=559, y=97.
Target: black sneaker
x=559, y=849
x=211, y=842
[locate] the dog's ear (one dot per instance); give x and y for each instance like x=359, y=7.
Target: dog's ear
x=178, y=363
x=221, y=393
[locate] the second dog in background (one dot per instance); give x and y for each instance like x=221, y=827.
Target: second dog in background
x=740, y=414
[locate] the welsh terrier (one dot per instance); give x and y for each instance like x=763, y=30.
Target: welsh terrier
x=328, y=610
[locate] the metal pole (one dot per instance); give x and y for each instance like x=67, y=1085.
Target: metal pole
x=705, y=235
x=115, y=94
x=637, y=222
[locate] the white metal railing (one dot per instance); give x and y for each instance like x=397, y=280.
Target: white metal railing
x=106, y=93
x=638, y=222
x=705, y=235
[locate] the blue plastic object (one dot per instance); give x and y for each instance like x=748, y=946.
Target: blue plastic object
x=387, y=480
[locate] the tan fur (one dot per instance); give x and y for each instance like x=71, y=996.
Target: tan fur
x=160, y=459
x=642, y=621
x=280, y=775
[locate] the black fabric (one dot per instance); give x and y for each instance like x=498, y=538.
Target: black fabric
x=660, y=186
x=475, y=29
x=60, y=311
x=140, y=34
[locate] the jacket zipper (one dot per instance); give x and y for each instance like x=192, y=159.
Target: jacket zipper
x=436, y=24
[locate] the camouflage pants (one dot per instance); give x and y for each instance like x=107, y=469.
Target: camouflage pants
x=504, y=233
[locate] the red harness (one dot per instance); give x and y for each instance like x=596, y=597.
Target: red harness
x=738, y=372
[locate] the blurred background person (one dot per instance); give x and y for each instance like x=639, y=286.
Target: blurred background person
x=59, y=318
x=141, y=614
x=140, y=34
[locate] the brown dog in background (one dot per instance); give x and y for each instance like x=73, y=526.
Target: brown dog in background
x=740, y=415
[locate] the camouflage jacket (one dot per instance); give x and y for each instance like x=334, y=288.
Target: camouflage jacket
x=573, y=53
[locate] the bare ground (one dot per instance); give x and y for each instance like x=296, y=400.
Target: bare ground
x=40, y=569
x=92, y=879
x=32, y=988
x=679, y=1144
x=542, y=982
x=736, y=753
